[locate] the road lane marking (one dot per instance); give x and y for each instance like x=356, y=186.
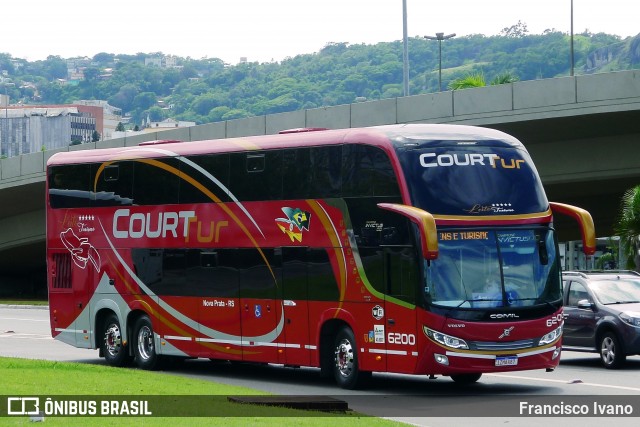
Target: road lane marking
x=23, y=319
x=516, y=377
x=26, y=336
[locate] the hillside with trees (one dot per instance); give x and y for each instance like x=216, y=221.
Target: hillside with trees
x=208, y=90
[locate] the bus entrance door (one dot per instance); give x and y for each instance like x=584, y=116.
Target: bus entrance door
x=295, y=305
x=401, y=277
x=260, y=314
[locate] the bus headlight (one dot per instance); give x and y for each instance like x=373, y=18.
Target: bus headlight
x=551, y=336
x=445, y=340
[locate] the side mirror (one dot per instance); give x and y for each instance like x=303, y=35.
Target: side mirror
x=585, y=221
x=426, y=226
x=585, y=304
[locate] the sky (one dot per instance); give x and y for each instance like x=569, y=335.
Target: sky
x=272, y=30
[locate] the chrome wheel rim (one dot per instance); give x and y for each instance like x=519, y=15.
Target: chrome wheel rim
x=608, y=350
x=113, y=339
x=145, y=342
x=344, y=358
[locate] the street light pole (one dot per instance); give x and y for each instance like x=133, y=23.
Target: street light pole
x=5, y=123
x=405, y=50
x=572, y=63
x=440, y=37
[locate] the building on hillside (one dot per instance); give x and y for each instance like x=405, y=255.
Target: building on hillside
x=164, y=61
x=106, y=116
x=25, y=130
x=106, y=120
x=150, y=126
x=166, y=124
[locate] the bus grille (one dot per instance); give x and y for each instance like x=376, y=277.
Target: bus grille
x=62, y=278
x=500, y=346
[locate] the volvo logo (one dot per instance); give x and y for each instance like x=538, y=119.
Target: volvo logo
x=506, y=332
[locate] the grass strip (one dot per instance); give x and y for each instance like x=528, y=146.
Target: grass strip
x=22, y=377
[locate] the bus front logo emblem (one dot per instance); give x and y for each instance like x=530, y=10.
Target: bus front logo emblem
x=506, y=332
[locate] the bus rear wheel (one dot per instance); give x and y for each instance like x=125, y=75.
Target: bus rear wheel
x=113, y=348
x=466, y=378
x=144, y=347
x=346, y=370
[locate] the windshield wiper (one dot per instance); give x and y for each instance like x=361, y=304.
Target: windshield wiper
x=621, y=302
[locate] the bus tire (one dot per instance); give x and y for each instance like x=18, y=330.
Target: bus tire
x=466, y=378
x=144, y=347
x=113, y=348
x=345, y=367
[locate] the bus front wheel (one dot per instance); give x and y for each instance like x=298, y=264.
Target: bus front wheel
x=345, y=368
x=466, y=378
x=144, y=346
x=113, y=347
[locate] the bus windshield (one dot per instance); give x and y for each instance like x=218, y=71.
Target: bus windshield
x=481, y=268
x=474, y=180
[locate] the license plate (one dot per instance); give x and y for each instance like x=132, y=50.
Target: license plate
x=506, y=360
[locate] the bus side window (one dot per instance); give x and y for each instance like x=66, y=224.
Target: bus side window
x=326, y=171
x=296, y=176
x=385, y=182
x=357, y=171
x=402, y=273
x=70, y=177
x=367, y=171
x=256, y=279
x=322, y=279
x=70, y=186
x=155, y=185
x=373, y=264
x=113, y=183
x=211, y=173
x=256, y=176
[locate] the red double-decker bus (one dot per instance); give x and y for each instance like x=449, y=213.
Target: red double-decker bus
x=418, y=249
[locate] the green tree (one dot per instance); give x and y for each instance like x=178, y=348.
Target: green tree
x=628, y=227
x=123, y=98
x=156, y=114
x=204, y=103
x=55, y=67
x=120, y=127
x=517, y=30
x=235, y=114
x=468, y=81
x=95, y=136
x=91, y=73
x=477, y=80
x=504, y=78
x=144, y=101
x=103, y=58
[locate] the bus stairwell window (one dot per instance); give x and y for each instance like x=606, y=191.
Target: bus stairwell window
x=255, y=163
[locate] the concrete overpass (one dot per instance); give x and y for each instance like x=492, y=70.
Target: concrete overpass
x=583, y=133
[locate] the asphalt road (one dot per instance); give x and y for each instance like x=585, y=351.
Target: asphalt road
x=413, y=399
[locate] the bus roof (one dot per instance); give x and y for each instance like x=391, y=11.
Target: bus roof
x=383, y=136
